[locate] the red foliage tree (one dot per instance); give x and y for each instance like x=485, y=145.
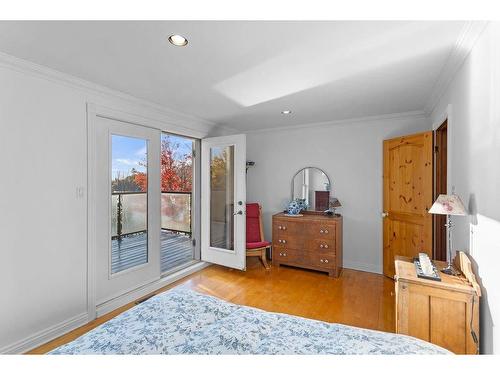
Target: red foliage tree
x=176, y=174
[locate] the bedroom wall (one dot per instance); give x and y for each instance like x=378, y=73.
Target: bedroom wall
x=474, y=98
x=350, y=152
x=43, y=220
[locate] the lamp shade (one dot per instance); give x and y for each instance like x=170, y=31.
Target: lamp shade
x=448, y=205
x=334, y=203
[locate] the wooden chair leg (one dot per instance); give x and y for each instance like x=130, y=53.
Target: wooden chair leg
x=263, y=258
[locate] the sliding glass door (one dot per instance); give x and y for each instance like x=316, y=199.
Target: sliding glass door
x=144, y=206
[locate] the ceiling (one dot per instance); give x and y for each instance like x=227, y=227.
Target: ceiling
x=243, y=74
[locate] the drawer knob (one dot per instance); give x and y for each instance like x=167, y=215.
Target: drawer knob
x=281, y=254
x=326, y=260
x=279, y=227
x=326, y=230
x=284, y=228
x=326, y=246
x=321, y=246
x=321, y=231
x=321, y=260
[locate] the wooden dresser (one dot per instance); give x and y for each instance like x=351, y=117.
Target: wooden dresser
x=312, y=241
x=442, y=312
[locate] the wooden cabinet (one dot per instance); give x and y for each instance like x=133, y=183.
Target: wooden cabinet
x=311, y=241
x=444, y=312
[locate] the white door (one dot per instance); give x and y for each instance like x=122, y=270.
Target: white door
x=223, y=189
x=127, y=209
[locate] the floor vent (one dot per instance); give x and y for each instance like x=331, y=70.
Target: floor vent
x=144, y=299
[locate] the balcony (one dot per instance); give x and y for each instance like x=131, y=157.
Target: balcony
x=129, y=236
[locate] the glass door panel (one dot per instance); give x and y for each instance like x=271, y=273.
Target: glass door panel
x=176, y=201
x=129, y=203
x=222, y=197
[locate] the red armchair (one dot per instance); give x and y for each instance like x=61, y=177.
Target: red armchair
x=256, y=245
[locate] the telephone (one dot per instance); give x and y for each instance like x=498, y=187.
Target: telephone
x=425, y=268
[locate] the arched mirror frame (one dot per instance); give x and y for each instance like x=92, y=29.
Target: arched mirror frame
x=309, y=167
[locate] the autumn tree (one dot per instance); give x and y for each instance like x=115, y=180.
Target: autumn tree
x=176, y=171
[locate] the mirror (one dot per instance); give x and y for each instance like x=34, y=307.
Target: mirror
x=313, y=185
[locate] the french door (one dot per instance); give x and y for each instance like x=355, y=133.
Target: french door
x=223, y=192
x=127, y=207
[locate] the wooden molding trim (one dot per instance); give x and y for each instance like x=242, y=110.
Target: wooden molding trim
x=390, y=116
x=166, y=115
x=468, y=37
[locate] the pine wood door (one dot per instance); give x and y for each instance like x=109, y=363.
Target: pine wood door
x=408, y=186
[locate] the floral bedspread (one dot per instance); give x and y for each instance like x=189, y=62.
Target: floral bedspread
x=181, y=321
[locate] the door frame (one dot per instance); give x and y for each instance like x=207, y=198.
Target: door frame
x=445, y=115
x=93, y=112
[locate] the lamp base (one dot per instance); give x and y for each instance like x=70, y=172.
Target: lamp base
x=449, y=270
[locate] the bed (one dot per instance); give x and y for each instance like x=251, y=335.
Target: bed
x=182, y=321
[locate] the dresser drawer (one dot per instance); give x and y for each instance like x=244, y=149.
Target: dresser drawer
x=322, y=246
x=284, y=227
x=321, y=260
x=287, y=256
x=321, y=230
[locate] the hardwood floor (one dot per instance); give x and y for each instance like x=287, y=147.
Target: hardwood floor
x=357, y=298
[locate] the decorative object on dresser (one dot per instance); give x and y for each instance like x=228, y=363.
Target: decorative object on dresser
x=296, y=206
x=446, y=312
x=321, y=200
x=333, y=204
x=312, y=241
x=256, y=244
x=449, y=205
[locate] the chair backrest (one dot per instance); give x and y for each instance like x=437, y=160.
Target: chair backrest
x=254, y=225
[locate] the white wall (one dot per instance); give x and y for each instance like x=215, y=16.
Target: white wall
x=43, y=152
x=351, y=155
x=474, y=96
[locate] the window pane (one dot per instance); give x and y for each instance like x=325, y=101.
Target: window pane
x=129, y=197
x=222, y=197
x=176, y=199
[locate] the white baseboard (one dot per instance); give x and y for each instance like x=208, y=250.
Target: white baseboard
x=45, y=335
x=48, y=334
x=360, y=266
x=149, y=288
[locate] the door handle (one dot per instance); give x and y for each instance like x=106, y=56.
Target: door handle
x=238, y=213
x=385, y=214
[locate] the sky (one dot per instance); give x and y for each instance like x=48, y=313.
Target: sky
x=128, y=152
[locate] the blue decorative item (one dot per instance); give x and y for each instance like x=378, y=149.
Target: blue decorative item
x=297, y=205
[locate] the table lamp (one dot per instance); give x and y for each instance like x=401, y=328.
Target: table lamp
x=334, y=204
x=449, y=205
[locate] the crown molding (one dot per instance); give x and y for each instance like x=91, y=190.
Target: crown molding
x=356, y=120
x=463, y=46
x=170, y=115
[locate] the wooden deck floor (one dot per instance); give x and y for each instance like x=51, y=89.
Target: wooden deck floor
x=356, y=298
x=131, y=251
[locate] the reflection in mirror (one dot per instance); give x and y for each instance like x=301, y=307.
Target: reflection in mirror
x=313, y=185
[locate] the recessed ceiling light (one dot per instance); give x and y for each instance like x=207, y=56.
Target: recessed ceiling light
x=178, y=40
x=286, y=112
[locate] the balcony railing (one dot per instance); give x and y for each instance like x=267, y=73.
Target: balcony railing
x=129, y=212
